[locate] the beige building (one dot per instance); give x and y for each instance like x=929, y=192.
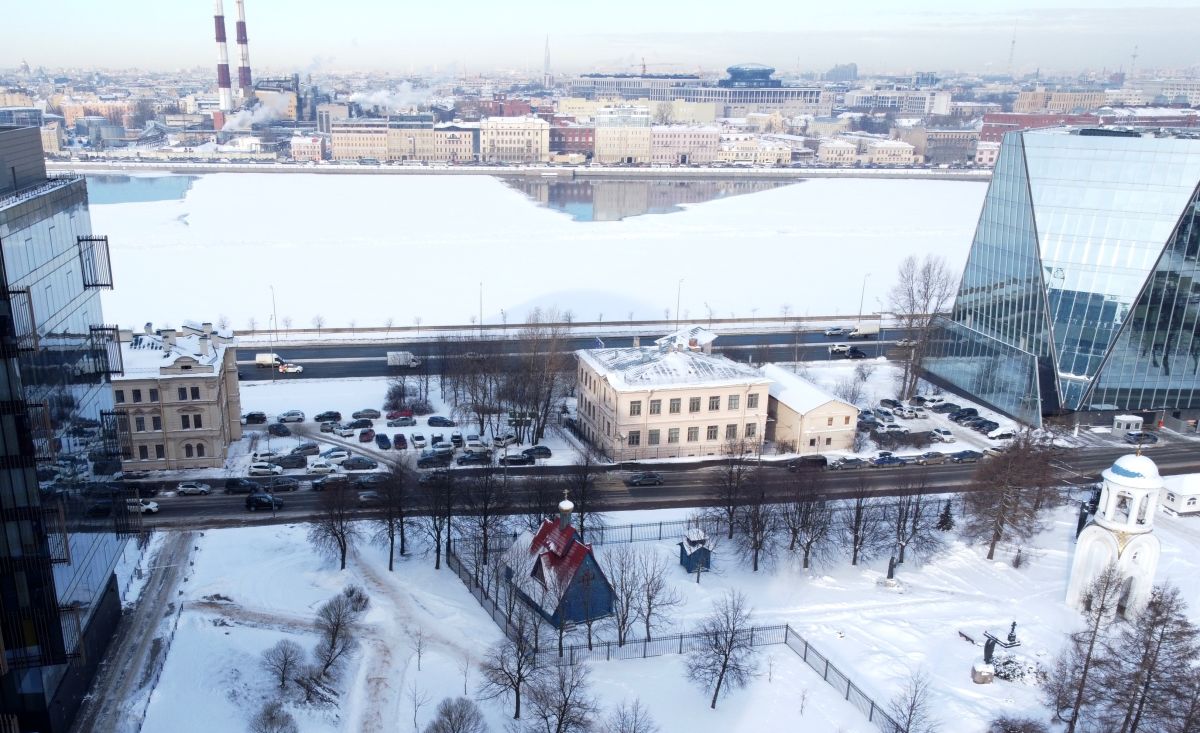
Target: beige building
x=623, y=135
x=837, y=152
x=454, y=145
x=514, y=140
x=411, y=143
x=664, y=112
x=359, y=138
x=986, y=153
x=803, y=418
x=1042, y=100
x=683, y=145
x=330, y=112
x=307, y=147
x=905, y=101
x=668, y=400
x=888, y=152
x=52, y=138
x=179, y=394
x=751, y=149
x=826, y=126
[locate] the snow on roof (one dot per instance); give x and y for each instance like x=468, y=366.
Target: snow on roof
x=145, y=355
x=1186, y=485
x=1134, y=471
x=544, y=564
x=795, y=391
x=695, y=539
x=641, y=367
x=684, y=337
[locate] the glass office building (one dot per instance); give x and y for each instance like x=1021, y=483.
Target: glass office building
x=63, y=527
x=1082, y=289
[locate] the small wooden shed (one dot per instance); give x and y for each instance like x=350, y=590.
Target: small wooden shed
x=694, y=553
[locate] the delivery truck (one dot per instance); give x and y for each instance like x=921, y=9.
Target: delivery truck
x=268, y=360
x=864, y=331
x=402, y=359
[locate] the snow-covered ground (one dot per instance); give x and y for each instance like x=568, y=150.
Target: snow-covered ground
x=328, y=245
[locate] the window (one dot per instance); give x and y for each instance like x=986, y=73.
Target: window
x=829, y=422
x=751, y=429
x=159, y=452
x=828, y=441
x=812, y=442
x=187, y=450
x=673, y=435
x=846, y=420
x=143, y=453
x=139, y=424
x=185, y=421
x=655, y=407
x=735, y=401
x=199, y=450
x=714, y=403
x=119, y=395
x=652, y=437
x=635, y=408
x=153, y=395
x=711, y=433
x=196, y=421
x=694, y=404
x=752, y=401
x=182, y=393
x=675, y=405
x=195, y=393
x=1191, y=501
x=156, y=423
x=693, y=435
x=731, y=432
x=635, y=438
x=137, y=395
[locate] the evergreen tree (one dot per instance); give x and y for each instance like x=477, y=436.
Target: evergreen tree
x=945, y=521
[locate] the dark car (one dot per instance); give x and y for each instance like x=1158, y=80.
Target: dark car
x=932, y=458
x=808, y=463
x=369, y=412
x=538, y=451
x=399, y=442
x=283, y=483
x=966, y=456
x=476, y=459
x=516, y=459
x=328, y=427
x=401, y=422
x=888, y=462
x=240, y=486
x=359, y=463
x=856, y=353
x=360, y=423
x=845, y=464
x=307, y=448
x=436, y=476
x=945, y=408
x=332, y=481
x=256, y=418
x=457, y=439
x=437, y=421
x=254, y=502
x=328, y=416
x=890, y=404
x=969, y=421
x=369, y=480
x=963, y=413
x=290, y=461
x=433, y=460
x=366, y=436
x=279, y=430
x=435, y=438
x=985, y=426
x=383, y=441
x=646, y=478
x=100, y=507
x=1140, y=437
x=369, y=498
x=916, y=400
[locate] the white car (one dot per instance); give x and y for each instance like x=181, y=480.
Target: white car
x=344, y=432
x=290, y=368
x=919, y=413
x=904, y=412
x=942, y=435
x=418, y=440
x=261, y=468
x=906, y=342
x=321, y=467
x=188, y=488
x=893, y=428
x=142, y=506
x=335, y=456
x=291, y=415
x=839, y=348
x=504, y=440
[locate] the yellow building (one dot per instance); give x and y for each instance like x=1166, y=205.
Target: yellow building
x=1042, y=100
x=837, y=152
x=359, y=138
x=751, y=149
x=514, y=140
x=803, y=418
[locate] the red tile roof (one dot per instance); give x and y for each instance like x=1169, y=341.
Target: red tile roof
x=557, y=550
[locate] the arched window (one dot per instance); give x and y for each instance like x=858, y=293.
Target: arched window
x=199, y=450
x=187, y=450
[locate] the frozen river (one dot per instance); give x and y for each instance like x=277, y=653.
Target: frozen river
x=365, y=249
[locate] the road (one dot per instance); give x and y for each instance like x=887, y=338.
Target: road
x=683, y=487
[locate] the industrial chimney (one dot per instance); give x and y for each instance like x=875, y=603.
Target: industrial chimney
x=244, y=83
x=224, y=89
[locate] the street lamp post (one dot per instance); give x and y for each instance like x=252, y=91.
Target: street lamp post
x=678, y=294
x=862, y=296
x=274, y=331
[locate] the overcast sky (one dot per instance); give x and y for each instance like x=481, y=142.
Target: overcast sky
x=672, y=35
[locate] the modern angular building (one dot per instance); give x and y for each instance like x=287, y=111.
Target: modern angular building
x=63, y=529
x=1082, y=288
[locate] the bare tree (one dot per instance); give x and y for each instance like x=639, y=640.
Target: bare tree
x=863, y=525
x=334, y=529
x=486, y=503
x=511, y=665
x=630, y=717
x=656, y=593
x=539, y=499
x=725, y=658
x=272, y=718
x=439, y=498
x=252, y=324
x=580, y=482
x=283, y=660
x=336, y=622
x=923, y=289
x=911, y=709
x=807, y=519
x=1008, y=724
x=561, y=701
x=913, y=517
x=318, y=322
x=393, y=518
x=755, y=520
x=1072, y=686
x=388, y=325
x=418, y=642
x=621, y=564
x=1009, y=492
x=457, y=715
x=223, y=321
x=728, y=493
x=1187, y=703
x=418, y=699
x=287, y=322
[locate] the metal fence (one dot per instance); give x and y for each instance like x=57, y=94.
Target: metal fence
x=658, y=646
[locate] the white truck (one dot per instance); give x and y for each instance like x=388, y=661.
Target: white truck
x=402, y=359
x=269, y=359
x=864, y=331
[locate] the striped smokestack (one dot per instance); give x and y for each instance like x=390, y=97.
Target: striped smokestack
x=247, y=88
x=224, y=88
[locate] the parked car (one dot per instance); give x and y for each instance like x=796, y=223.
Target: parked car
x=383, y=441
x=359, y=423
x=963, y=413
x=435, y=476
x=443, y=449
x=966, y=456
x=478, y=458
x=366, y=436
x=191, y=488
x=896, y=429
x=328, y=416
x=969, y=421
x=995, y=450
x=501, y=441
x=289, y=461
x=279, y=430
x=538, y=451
x=844, y=464
x=515, y=459
x=240, y=486
x=254, y=418
x=393, y=414
x=943, y=408
x=141, y=506
x=435, y=438
x=884, y=415
x=336, y=455
x=418, y=440
x=918, y=400
x=432, y=460
x=941, y=435
x=307, y=448
x=887, y=461
x=836, y=331
x=437, y=421
x=332, y=481
x=906, y=343
x=645, y=478
x=919, y=413
x=475, y=443
x=839, y=348
x=457, y=439
x=904, y=412
x=933, y=458
x=254, y=502
x=1002, y=434
x=367, y=413
x=291, y=416
x=1140, y=437
x=321, y=466
x=359, y=463
x=808, y=463
x=399, y=442
x=401, y=422
x=890, y=404
x=344, y=431
x=290, y=368
x=329, y=427
x=262, y=468
x=985, y=426
x=285, y=483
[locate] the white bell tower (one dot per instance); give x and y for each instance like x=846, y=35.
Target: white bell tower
x=1121, y=533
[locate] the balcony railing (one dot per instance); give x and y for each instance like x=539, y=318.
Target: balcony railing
x=23, y=326
x=115, y=434
x=94, y=262
x=106, y=350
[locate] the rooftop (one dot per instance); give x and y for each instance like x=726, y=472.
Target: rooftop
x=144, y=355
x=795, y=391
x=645, y=367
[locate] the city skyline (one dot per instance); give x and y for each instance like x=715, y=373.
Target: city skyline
x=931, y=34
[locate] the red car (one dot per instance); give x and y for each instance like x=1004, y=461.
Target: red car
x=366, y=436
x=399, y=442
x=397, y=414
